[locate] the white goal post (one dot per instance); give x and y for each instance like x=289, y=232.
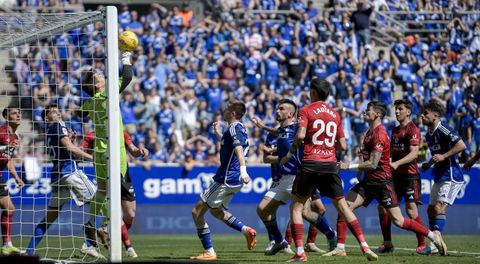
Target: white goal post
x=19, y=29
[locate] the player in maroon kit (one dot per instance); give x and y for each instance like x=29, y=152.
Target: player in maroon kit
x=320, y=129
x=404, y=146
x=129, y=205
x=378, y=181
x=9, y=140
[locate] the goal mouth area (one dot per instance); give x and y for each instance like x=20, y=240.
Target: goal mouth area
x=18, y=28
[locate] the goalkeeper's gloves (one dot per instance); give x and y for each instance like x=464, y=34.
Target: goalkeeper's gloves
x=126, y=57
x=244, y=175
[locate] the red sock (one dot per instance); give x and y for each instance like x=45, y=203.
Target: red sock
x=356, y=230
x=420, y=238
x=341, y=230
x=312, y=234
x=6, y=226
x=125, y=239
x=288, y=234
x=385, y=225
x=411, y=225
x=297, y=232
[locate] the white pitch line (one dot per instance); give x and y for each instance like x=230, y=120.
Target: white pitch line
x=413, y=250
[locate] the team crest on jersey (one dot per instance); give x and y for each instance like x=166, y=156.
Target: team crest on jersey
x=378, y=146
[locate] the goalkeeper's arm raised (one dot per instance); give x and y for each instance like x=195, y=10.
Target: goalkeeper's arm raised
x=127, y=71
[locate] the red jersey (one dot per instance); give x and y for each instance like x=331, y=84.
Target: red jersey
x=6, y=150
x=376, y=140
x=324, y=128
x=402, y=139
x=89, y=139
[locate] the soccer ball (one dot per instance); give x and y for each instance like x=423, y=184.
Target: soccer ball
x=127, y=41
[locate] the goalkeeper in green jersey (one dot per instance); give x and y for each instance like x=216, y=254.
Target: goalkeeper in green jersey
x=94, y=84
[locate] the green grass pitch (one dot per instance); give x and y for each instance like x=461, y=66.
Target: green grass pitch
x=232, y=249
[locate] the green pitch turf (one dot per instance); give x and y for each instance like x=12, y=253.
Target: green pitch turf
x=232, y=249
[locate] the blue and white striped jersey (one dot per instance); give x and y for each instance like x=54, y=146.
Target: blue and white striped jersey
x=440, y=141
x=229, y=170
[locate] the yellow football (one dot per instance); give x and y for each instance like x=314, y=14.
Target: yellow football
x=127, y=41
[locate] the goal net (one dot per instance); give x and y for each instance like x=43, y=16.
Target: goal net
x=43, y=60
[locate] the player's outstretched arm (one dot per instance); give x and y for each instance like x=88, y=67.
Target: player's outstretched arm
x=370, y=164
x=70, y=147
x=258, y=122
x=269, y=155
x=127, y=71
x=299, y=137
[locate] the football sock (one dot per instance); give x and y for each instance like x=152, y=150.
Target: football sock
x=324, y=227
x=6, y=226
x=125, y=238
x=385, y=225
x=356, y=230
x=204, y=235
x=412, y=225
x=297, y=232
x=420, y=238
x=288, y=234
x=312, y=234
x=341, y=230
x=234, y=223
x=273, y=231
x=38, y=234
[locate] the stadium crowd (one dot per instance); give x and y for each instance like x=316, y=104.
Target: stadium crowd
x=187, y=70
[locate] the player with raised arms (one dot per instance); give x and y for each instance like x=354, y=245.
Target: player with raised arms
x=444, y=144
x=68, y=182
x=406, y=178
x=283, y=177
x=94, y=84
x=320, y=129
x=9, y=141
x=229, y=179
x=378, y=181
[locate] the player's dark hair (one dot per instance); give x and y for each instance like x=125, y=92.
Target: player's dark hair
x=404, y=102
x=87, y=82
x=238, y=108
x=435, y=106
x=322, y=87
x=288, y=101
x=378, y=107
x=47, y=110
x=14, y=104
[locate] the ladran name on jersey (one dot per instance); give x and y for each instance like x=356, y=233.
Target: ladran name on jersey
x=323, y=109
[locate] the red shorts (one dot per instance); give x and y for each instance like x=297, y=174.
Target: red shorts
x=321, y=176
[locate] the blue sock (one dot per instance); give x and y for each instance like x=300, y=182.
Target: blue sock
x=273, y=231
x=38, y=234
x=439, y=222
x=323, y=226
x=234, y=223
x=204, y=235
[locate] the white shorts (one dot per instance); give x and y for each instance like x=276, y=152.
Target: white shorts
x=74, y=186
x=281, y=190
x=219, y=194
x=445, y=191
